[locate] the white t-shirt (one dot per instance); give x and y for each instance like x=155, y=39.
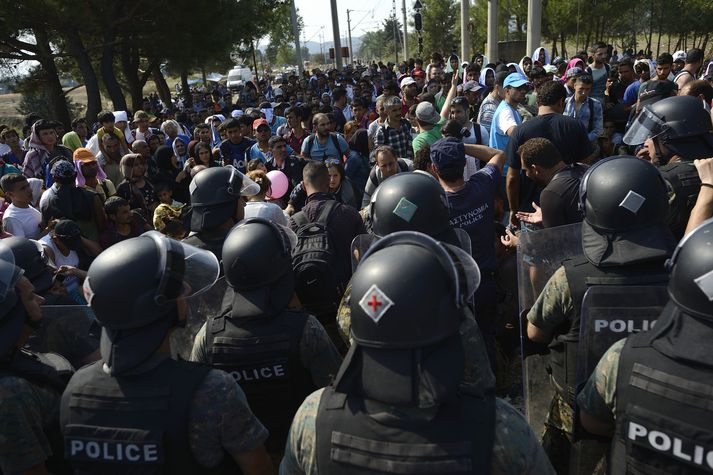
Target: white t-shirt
x=506, y=119
x=22, y=222
x=472, y=164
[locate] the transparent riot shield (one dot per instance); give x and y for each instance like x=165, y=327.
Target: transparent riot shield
x=540, y=254
x=68, y=331
x=214, y=301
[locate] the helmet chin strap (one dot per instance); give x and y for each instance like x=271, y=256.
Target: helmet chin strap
x=659, y=157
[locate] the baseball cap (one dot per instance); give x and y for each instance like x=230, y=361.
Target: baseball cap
x=679, y=56
x=84, y=155
x=471, y=86
x=425, y=112
x=515, y=80
x=407, y=81
x=258, y=122
x=573, y=72
x=63, y=169
x=278, y=92
x=236, y=113
x=120, y=116
x=69, y=233
x=448, y=152
x=550, y=69
x=418, y=73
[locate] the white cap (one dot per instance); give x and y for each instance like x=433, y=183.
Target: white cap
x=406, y=81
x=679, y=56
x=120, y=116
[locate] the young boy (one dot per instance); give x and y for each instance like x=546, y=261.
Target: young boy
x=107, y=121
x=20, y=219
x=234, y=147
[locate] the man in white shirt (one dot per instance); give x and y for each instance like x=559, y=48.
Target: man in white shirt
x=20, y=219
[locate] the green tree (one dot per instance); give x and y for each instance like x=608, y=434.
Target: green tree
x=439, y=20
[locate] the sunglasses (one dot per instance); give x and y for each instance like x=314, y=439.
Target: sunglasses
x=459, y=101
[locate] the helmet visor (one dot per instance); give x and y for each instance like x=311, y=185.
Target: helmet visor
x=240, y=185
x=647, y=125
x=468, y=271
x=9, y=273
x=184, y=270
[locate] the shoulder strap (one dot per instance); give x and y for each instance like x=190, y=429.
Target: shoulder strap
x=300, y=219
x=335, y=141
x=478, y=132
x=310, y=143
x=326, y=212
x=590, y=103
x=105, y=187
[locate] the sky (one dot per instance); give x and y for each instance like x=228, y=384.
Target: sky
x=367, y=15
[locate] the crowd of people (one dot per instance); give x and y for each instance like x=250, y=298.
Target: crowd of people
x=340, y=251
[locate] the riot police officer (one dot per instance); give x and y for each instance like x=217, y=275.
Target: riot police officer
x=661, y=418
x=217, y=204
x=396, y=401
x=31, y=384
x=414, y=201
x=675, y=131
x=137, y=409
x=625, y=242
x=64, y=330
x=278, y=356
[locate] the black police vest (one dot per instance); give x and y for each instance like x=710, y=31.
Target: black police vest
x=134, y=423
x=263, y=355
x=664, y=412
x=459, y=439
x=581, y=274
x=685, y=183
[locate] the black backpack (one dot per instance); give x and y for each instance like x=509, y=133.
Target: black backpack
x=313, y=262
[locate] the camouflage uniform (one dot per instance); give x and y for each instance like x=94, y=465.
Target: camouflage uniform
x=515, y=448
x=598, y=397
x=317, y=353
x=26, y=411
x=220, y=421
x=477, y=373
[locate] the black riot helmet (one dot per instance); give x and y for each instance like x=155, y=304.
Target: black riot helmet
x=691, y=283
x=257, y=261
x=30, y=257
x=407, y=303
x=214, y=194
x=410, y=201
x=624, y=200
x=12, y=311
x=680, y=123
x=133, y=287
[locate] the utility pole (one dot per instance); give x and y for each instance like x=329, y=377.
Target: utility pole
x=349, y=29
x=493, y=31
x=403, y=9
x=396, y=33
x=321, y=42
x=534, y=25
x=464, y=21
x=335, y=33
x=296, y=34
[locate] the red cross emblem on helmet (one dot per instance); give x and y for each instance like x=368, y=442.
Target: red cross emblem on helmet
x=375, y=303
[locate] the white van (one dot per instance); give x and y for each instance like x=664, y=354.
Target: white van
x=238, y=76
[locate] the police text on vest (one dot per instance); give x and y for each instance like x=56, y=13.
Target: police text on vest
x=110, y=451
x=257, y=374
x=671, y=445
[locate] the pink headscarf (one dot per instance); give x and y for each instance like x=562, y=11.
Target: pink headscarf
x=572, y=63
x=81, y=181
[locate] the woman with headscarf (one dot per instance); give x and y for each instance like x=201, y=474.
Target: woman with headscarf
x=453, y=65
x=180, y=149
x=169, y=172
x=135, y=188
x=357, y=166
x=541, y=56
x=573, y=63
x=487, y=78
x=526, y=65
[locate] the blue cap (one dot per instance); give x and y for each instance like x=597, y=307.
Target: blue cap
x=515, y=80
x=447, y=152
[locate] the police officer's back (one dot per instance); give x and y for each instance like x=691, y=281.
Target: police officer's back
x=395, y=406
x=652, y=391
x=278, y=356
x=625, y=242
x=216, y=205
x=676, y=131
x=136, y=409
x=31, y=384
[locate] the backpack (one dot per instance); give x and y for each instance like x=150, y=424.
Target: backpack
x=335, y=141
x=313, y=262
